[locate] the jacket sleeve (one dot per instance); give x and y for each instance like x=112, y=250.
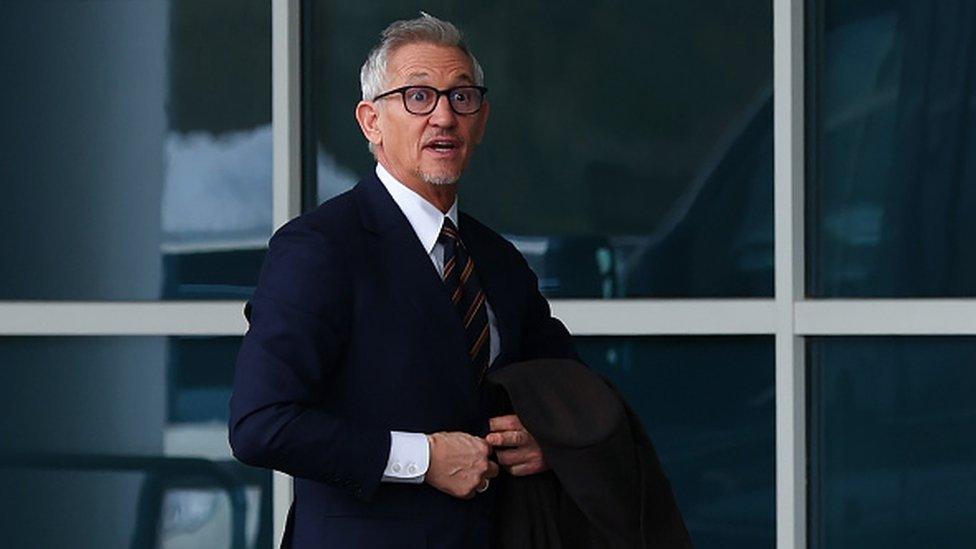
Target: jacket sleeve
x=299, y=323
x=543, y=336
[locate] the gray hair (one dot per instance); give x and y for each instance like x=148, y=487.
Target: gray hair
x=424, y=29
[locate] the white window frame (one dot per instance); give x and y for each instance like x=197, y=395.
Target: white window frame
x=789, y=316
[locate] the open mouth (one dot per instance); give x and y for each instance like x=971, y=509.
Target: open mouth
x=443, y=146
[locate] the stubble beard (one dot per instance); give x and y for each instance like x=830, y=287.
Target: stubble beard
x=439, y=180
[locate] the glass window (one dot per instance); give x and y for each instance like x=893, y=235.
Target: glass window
x=892, y=184
x=892, y=442
x=629, y=151
x=708, y=404
x=94, y=437
x=137, y=151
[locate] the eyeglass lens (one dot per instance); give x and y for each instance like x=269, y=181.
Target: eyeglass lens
x=422, y=99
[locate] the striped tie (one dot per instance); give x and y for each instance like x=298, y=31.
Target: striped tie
x=467, y=296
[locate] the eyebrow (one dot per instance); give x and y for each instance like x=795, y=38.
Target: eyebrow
x=417, y=76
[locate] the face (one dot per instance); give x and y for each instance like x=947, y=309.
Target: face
x=431, y=149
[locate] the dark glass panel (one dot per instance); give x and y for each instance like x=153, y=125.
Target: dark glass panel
x=708, y=404
x=136, y=143
x=892, y=442
x=891, y=191
x=92, y=434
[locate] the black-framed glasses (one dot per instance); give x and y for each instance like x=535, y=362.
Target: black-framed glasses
x=423, y=99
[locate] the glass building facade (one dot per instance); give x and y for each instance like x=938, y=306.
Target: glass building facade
x=892, y=441
x=892, y=149
x=137, y=169
x=137, y=149
x=752, y=216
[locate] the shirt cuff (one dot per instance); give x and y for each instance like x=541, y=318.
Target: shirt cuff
x=409, y=458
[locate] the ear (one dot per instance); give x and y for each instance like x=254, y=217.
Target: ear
x=368, y=118
x=479, y=130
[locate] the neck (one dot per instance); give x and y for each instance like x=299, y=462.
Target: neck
x=441, y=196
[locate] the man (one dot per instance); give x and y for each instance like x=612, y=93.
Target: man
x=377, y=316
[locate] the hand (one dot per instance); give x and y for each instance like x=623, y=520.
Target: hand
x=521, y=455
x=459, y=464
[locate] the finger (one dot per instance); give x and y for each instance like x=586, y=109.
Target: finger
x=505, y=423
x=512, y=457
x=525, y=469
x=492, y=470
x=508, y=438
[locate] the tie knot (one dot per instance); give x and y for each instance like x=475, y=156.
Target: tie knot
x=448, y=230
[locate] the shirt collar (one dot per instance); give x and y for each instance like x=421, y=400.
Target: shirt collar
x=423, y=216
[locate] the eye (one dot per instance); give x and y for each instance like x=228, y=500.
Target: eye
x=418, y=95
x=461, y=96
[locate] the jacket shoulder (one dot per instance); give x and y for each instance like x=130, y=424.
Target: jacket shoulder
x=332, y=219
x=489, y=236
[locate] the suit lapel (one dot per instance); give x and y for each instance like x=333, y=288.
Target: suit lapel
x=412, y=275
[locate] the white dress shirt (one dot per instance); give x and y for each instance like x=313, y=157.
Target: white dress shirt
x=410, y=452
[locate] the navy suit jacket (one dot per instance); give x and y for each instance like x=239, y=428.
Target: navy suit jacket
x=352, y=335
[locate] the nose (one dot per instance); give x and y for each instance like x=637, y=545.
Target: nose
x=443, y=116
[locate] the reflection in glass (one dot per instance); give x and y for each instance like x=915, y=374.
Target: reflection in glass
x=94, y=437
x=708, y=404
x=629, y=151
x=892, y=186
x=892, y=442
x=137, y=141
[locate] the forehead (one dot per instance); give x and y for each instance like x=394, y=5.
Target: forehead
x=429, y=64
